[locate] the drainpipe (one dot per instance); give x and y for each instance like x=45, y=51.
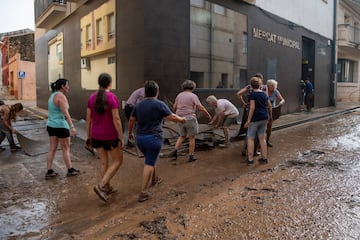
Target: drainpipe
x=333, y=87
x=210, y=45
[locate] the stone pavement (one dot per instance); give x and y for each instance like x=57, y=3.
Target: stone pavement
x=285, y=120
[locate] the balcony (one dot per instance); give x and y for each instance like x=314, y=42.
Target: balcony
x=348, y=35
x=48, y=13
x=248, y=1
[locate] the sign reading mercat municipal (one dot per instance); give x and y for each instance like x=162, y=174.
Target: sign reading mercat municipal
x=274, y=38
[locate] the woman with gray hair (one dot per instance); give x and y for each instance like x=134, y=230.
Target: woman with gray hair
x=225, y=114
x=186, y=104
x=276, y=99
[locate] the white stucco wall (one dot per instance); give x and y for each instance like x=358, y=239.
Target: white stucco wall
x=315, y=15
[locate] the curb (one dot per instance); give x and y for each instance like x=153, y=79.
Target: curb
x=298, y=122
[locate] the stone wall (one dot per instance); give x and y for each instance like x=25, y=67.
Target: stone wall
x=23, y=44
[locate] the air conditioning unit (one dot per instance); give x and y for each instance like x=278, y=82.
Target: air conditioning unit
x=85, y=63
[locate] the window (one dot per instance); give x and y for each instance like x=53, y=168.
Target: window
x=197, y=3
x=197, y=77
x=346, y=70
x=62, y=2
x=59, y=52
x=111, y=26
x=81, y=37
x=99, y=32
x=88, y=34
x=219, y=9
x=111, y=60
x=356, y=33
x=224, y=80
x=346, y=19
x=218, y=51
x=244, y=43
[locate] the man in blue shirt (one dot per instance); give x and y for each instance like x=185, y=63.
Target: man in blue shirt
x=309, y=95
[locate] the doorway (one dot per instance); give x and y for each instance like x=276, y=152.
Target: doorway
x=308, y=61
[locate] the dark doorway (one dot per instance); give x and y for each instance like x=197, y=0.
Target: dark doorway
x=308, y=60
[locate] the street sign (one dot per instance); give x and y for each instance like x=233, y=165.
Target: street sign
x=21, y=74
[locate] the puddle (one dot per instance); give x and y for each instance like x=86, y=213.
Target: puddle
x=17, y=221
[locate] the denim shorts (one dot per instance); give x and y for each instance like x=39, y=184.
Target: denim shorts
x=258, y=127
x=150, y=146
x=190, y=127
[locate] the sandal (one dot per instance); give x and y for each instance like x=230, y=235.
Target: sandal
x=143, y=196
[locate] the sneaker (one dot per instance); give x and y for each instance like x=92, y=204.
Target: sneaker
x=14, y=148
x=109, y=189
x=143, y=196
x=72, y=172
x=263, y=160
x=173, y=154
x=101, y=192
x=249, y=162
x=257, y=153
x=192, y=158
x=50, y=174
x=156, y=180
x=269, y=144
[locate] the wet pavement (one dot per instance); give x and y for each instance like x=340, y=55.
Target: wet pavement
x=309, y=190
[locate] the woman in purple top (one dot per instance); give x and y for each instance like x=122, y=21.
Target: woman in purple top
x=134, y=98
x=103, y=126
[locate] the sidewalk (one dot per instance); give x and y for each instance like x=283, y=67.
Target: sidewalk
x=289, y=120
x=285, y=120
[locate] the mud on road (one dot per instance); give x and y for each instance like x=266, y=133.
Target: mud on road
x=310, y=189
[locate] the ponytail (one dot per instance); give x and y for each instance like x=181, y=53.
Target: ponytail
x=104, y=81
x=100, y=102
x=55, y=86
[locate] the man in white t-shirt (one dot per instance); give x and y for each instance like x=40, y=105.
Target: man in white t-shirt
x=225, y=114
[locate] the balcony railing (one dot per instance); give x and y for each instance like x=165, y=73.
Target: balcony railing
x=348, y=34
x=42, y=5
x=48, y=12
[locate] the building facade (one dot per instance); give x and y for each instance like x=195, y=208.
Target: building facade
x=348, y=38
x=18, y=64
x=218, y=44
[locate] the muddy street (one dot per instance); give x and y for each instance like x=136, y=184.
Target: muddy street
x=310, y=189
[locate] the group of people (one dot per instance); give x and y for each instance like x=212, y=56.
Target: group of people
x=306, y=94
x=146, y=114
